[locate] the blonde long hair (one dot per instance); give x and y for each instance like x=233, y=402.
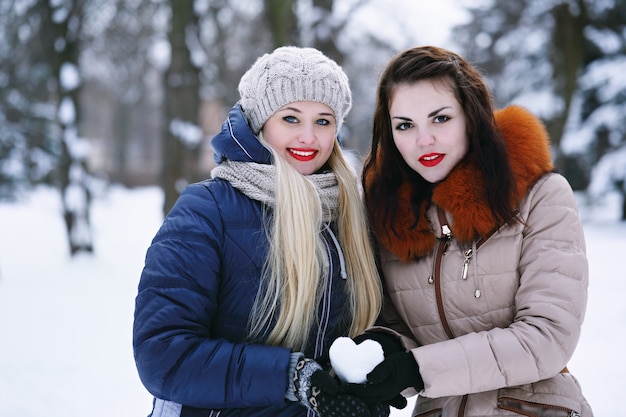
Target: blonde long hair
x=297, y=263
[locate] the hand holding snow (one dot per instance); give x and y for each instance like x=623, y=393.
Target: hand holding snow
x=353, y=362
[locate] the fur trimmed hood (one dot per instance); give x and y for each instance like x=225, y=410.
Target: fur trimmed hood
x=462, y=194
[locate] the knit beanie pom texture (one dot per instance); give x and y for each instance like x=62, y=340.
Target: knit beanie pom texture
x=290, y=74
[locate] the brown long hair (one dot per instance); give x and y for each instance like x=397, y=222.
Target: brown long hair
x=385, y=169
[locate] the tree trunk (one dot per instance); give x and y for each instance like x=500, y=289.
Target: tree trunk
x=122, y=131
x=620, y=185
x=567, y=41
x=72, y=166
x=282, y=20
x=325, y=39
x=181, y=103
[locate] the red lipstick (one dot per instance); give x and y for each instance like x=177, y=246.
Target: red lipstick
x=431, y=159
x=302, y=155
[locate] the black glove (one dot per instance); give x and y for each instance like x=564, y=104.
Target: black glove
x=324, y=360
x=379, y=410
x=317, y=390
x=389, y=342
x=390, y=377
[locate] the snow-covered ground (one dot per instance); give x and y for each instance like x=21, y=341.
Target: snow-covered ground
x=65, y=324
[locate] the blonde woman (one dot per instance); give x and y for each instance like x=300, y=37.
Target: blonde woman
x=257, y=270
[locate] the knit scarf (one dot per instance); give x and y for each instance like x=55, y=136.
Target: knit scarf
x=258, y=182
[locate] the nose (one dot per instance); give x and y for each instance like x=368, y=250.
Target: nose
x=425, y=137
x=306, y=134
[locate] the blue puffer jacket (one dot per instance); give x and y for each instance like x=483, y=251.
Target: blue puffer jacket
x=195, y=295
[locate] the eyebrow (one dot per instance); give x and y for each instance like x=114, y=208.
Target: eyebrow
x=299, y=111
x=431, y=114
x=434, y=113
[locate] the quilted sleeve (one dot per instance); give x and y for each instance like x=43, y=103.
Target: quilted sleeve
x=177, y=357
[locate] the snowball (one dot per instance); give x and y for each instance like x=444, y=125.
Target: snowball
x=353, y=362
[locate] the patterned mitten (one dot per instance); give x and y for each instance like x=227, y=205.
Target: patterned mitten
x=317, y=390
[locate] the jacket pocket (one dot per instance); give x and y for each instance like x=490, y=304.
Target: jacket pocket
x=533, y=409
x=428, y=407
x=559, y=396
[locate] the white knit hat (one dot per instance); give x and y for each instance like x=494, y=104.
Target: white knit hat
x=293, y=74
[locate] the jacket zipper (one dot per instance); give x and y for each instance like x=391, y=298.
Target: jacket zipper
x=440, y=251
x=469, y=254
x=442, y=247
x=435, y=278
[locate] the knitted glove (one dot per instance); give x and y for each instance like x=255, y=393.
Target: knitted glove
x=379, y=410
x=393, y=375
x=317, y=390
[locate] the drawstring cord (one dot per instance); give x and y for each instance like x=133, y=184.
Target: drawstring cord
x=342, y=261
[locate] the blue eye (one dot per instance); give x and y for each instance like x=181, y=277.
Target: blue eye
x=322, y=122
x=441, y=119
x=290, y=119
x=403, y=126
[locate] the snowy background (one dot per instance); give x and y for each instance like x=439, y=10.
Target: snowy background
x=65, y=324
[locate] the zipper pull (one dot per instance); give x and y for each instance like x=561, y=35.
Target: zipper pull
x=445, y=230
x=468, y=256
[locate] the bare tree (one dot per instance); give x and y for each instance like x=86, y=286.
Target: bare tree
x=282, y=21
x=181, y=104
x=568, y=54
x=64, y=19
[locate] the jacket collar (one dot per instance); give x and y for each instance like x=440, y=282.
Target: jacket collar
x=237, y=142
x=462, y=194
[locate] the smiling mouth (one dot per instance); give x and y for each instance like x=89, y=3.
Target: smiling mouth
x=431, y=160
x=302, y=155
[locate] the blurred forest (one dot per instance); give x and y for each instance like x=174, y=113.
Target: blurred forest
x=96, y=92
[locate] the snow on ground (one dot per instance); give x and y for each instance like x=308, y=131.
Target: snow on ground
x=65, y=324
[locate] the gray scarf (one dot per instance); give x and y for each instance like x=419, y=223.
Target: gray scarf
x=257, y=181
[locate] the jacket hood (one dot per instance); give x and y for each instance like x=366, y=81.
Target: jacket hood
x=237, y=142
x=462, y=194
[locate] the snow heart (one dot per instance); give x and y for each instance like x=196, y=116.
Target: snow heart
x=353, y=362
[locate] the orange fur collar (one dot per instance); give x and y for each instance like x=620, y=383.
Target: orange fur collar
x=462, y=193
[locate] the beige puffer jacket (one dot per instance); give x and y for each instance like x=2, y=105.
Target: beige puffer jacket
x=495, y=318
